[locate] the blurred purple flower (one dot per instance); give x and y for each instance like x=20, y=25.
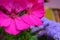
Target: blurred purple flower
x=51, y=28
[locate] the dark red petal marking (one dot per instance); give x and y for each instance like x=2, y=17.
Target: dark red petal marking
x=4, y=10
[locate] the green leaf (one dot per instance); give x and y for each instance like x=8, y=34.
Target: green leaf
x=24, y=35
x=33, y=38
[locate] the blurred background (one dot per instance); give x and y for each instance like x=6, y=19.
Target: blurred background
x=52, y=9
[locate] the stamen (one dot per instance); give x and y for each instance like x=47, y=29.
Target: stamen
x=22, y=13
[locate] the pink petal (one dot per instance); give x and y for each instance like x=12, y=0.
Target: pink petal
x=21, y=2
x=32, y=1
x=20, y=24
x=7, y=8
x=11, y=29
x=40, y=1
x=4, y=20
x=38, y=10
x=27, y=19
x=17, y=4
x=38, y=13
x=35, y=20
x=37, y=6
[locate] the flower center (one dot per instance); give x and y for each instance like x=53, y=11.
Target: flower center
x=13, y=12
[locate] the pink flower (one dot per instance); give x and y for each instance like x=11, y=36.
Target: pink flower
x=18, y=15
